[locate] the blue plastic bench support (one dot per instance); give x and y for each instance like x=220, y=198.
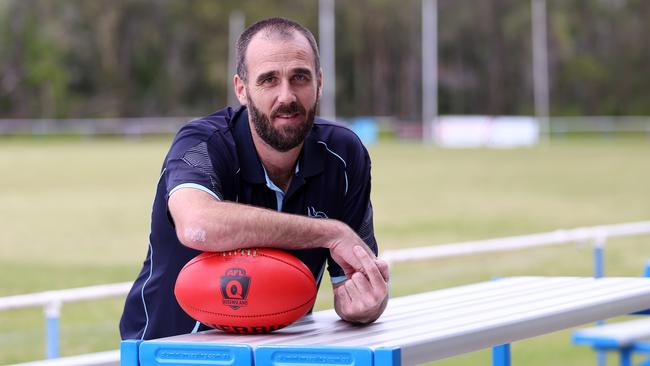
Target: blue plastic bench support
x=501, y=355
x=625, y=357
x=154, y=353
x=643, y=347
x=277, y=355
x=129, y=352
x=388, y=356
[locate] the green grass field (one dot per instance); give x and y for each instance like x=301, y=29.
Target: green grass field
x=76, y=213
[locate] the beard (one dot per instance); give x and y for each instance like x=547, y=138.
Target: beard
x=282, y=138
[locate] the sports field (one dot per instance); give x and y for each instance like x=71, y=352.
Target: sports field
x=76, y=212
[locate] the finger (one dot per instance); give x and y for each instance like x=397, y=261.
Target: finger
x=367, y=250
x=383, y=268
x=352, y=288
x=347, y=306
x=342, y=294
x=370, y=268
x=348, y=261
x=368, y=296
x=362, y=284
x=349, y=271
x=363, y=257
x=343, y=298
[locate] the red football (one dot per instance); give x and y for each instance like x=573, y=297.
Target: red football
x=246, y=291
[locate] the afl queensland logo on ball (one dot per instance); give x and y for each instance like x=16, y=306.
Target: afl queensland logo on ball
x=234, y=287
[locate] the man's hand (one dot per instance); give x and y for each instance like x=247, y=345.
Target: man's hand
x=363, y=297
x=341, y=243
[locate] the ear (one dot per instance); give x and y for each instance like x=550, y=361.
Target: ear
x=319, y=83
x=240, y=90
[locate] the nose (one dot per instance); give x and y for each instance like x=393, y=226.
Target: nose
x=286, y=93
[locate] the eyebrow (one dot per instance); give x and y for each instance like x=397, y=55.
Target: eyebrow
x=265, y=76
x=302, y=71
x=298, y=70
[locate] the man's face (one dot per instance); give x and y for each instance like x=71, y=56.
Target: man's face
x=282, y=89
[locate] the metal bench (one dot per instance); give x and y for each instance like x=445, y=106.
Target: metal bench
x=626, y=338
x=414, y=329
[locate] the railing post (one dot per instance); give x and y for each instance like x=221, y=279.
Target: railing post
x=52, y=314
x=599, y=256
x=599, y=272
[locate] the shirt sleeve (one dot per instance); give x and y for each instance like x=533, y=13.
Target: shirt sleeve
x=357, y=211
x=194, y=162
x=194, y=169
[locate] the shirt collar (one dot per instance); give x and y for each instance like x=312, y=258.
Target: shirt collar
x=310, y=161
x=313, y=154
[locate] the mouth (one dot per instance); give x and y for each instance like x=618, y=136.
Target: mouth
x=286, y=116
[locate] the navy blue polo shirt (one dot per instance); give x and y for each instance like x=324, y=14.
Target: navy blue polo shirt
x=216, y=155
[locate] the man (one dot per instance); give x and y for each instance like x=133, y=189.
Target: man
x=265, y=175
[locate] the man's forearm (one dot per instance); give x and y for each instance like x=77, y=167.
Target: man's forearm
x=220, y=226
x=203, y=223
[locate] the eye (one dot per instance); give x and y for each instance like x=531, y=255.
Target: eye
x=301, y=78
x=269, y=80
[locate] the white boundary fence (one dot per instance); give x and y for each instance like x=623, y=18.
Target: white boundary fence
x=597, y=235
x=93, y=127
x=136, y=127
x=52, y=301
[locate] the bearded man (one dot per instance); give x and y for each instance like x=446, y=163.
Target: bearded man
x=268, y=174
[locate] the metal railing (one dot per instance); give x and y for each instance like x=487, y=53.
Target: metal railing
x=52, y=302
x=141, y=126
x=597, y=236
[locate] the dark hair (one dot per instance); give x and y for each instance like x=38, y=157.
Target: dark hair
x=277, y=26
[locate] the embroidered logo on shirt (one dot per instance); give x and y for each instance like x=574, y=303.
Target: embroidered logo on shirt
x=312, y=212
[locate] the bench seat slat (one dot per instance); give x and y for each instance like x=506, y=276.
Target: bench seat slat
x=614, y=335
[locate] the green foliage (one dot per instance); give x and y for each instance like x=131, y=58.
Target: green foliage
x=46, y=74
x=102, y=58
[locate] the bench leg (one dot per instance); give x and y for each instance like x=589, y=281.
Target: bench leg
x=626, y=357
x=501, y=355
x=601, y=357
